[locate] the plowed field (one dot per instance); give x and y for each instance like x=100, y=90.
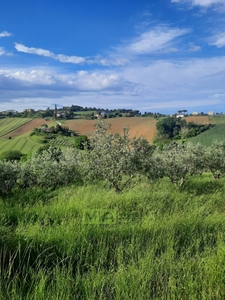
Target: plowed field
x=28, y=127
x=139, y=126
x=199, y=119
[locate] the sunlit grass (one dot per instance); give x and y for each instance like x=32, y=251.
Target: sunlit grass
x=166, y=243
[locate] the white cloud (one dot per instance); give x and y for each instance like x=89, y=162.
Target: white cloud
x=158, y=39
x=159, y=84
x=4, y=52
x=193, y=47
x=47, y=53
x=219, y=40
x=202, y=3
x=79, y=81
x=5, y=34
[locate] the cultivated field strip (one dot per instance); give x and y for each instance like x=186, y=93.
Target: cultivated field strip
x=23, y=144
x=9, y=124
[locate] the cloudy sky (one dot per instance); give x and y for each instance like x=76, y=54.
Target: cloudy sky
x=161, y=55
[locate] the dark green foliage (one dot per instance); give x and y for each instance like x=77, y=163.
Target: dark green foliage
x=80, y=142
x=170, y=127
x=55, y=152
x=177, y=128
x=11, y=155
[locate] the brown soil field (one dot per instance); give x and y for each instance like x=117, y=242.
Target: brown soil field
x=139, y=126
x=28, y=127
x=199, y=119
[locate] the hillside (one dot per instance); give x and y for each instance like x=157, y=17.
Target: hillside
x=206, y=138
x=7, y=125
x=138, y=126
x=15, y=131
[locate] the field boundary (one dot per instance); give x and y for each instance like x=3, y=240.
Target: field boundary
x=11, y=130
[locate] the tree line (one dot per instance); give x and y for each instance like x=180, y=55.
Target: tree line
x=120, y=160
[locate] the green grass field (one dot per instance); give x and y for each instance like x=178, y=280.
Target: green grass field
x=206, y=138
x=22, y=143
x=84, y=112
x=217, y=119
x=9, y=124
x=161, y=243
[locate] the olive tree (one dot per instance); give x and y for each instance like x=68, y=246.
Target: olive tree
x=8, y=175
x=50, y=168
x=215, y=159
x=181, y=160
x=119, y=159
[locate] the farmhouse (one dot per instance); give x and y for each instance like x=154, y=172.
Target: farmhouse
x=180, y=115
x=10, y=111
x=29, y=110
x=195, y=113
x=211, y=113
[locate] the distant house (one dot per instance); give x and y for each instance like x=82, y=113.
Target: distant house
x=29, y=110
x=61, y=115
x=11, y=111
x=195, y=113
x=180, y=115
x=211, y=113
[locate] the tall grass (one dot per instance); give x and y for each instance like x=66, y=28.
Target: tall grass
x=165, y=243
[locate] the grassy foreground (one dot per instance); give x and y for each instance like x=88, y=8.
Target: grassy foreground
x=159, y=243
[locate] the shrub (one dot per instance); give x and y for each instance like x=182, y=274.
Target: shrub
x=11, y=155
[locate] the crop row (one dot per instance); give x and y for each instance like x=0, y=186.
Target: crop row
x=21, y=144
x=10, y=124
x=60, y=142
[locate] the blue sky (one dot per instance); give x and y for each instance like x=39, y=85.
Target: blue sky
x=154, y=56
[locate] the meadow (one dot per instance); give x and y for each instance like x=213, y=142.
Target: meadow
x=21, y=143
x=160, y=242
x=206, y=138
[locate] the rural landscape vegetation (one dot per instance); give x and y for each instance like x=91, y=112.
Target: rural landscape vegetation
x=111, y=204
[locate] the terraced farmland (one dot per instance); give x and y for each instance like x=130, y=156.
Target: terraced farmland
x=7, y=125
x=22, y=143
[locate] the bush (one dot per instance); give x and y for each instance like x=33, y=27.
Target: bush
x=8, y=175
x=80, y=142
x=12, y=155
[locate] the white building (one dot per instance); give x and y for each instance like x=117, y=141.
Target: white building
x=180, y=115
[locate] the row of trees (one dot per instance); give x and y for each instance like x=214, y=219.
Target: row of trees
x=177, y=128
x=119, y=159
